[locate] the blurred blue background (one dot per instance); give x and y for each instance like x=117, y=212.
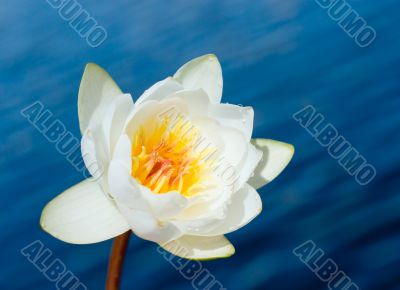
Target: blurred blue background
x=277, y=56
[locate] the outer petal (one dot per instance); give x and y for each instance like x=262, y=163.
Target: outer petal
x=83, y=215
x=276, y=156
x=96, y=91
x=201, y=248
x=205, y=73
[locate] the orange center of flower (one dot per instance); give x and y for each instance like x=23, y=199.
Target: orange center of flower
x=164, y=157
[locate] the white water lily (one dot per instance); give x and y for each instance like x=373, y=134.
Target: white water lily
x=178, y=167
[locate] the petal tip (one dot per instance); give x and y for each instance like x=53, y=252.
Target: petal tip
x=230, y=251
x=211, y=57
x=276, y=156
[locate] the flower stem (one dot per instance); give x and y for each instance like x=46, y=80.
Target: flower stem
x=116, y=261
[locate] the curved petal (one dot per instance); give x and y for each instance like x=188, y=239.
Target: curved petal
x=205, y=73
x=201, y=248
x=244, y=207
x=99, y=140
x=276, y=156
x=233, y=116
x=160, y=90
x=96, y=91
x=83, y=215
x=144, y=225
x=227, y=115
x=94, y=152
x=253, y=158
x=135, y=208
x=116, y=118
x=166, y=205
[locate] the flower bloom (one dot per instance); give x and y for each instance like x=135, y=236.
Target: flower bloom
x=177, y=167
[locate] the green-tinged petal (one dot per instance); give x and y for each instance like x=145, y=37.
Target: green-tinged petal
x=96, y=92
x=205, y=73
x=276, y=156
x=200, y=248
x=83, y=215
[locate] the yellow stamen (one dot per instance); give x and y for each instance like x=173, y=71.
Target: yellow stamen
x=164, y=157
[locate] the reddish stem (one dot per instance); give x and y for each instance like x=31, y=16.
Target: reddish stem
x=116, y=261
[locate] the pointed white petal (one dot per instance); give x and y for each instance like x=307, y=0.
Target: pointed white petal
x=276, y=156
x=201, y=248
x=96, y=91
x=160, y=90
x=205, y=73
x=83, y=215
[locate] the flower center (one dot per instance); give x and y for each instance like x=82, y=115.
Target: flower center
x=164, y=157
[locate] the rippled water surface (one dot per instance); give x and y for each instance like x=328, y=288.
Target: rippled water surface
x=277, y=56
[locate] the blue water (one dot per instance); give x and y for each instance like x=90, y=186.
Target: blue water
x=277, y=56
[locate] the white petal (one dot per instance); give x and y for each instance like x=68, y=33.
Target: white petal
x=83, y=215
x=124, y=188
x=144, y=225
x=253, y=158
x=196, y=101
x=244, y=207
x=160, y=90
x=99, y=140
x=96, y=91
x=235, y=146
x=276, y=156
x=94, y=154
x=201, y=248
x=240, y=118
x=116, y=118
x=227, y=115
x=122, y=152
x=205, y=73
x=135, y=208
x=167, y=205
